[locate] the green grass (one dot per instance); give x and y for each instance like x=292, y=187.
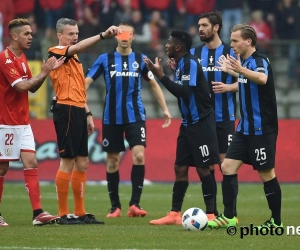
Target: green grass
x=136, y=233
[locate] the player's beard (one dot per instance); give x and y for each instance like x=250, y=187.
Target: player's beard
x=207, y=39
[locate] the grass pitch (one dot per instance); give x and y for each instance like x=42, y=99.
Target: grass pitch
x=136, y=233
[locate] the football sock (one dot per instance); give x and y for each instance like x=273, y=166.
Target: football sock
x=62, y=182
x=230, y=191
x=212, y=172
x=1, y=187
x=137, y=181
x=32, y=187
x=208, y=191
x=234, y=183
x=113, y=180
x=78, y=181
x=179, y=190
x=273, y=195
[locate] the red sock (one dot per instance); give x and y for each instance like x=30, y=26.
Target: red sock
x=32, y=187
x=1, y=187
x=78, y=186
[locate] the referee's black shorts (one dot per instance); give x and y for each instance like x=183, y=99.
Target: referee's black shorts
x=71, y=130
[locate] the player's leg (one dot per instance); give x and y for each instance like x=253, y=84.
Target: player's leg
x=263, y=160
x=136, y=136
x=225, y=132
x=31, y=179
x=236, y=155
x=202, y=139
x=113, y=144
x=179, y=190
x=183, y=161
x=3, y=170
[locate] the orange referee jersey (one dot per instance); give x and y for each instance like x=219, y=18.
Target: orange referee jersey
x=68, y=80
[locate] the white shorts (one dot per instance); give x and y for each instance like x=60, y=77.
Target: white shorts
x=14, y=140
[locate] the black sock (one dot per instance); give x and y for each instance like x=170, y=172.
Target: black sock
x=137, y=181
x=37, y=212
x=179, y=190
x=212, y=172
x=273, y=195
x=230, y=191
x=113, y=180
x=208, y=191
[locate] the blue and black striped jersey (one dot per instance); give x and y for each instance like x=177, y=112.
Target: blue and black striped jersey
x=198, y=105
x=123, y=78
x=257, y=102
x=224, y=104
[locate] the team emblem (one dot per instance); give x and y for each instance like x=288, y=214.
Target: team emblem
x=135, y=65
x=8, y=151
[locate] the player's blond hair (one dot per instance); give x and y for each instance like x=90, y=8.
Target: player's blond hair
x=247, y=32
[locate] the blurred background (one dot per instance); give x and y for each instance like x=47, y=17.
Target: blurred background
x=275, y=21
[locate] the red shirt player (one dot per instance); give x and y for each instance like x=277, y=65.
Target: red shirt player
x=16, y=137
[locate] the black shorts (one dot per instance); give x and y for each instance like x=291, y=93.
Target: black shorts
x=113, y=136
x=197, y=144
x=256, y=150
x=225, y=132
x=71, y=130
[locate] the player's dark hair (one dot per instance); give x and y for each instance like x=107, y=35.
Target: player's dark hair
x=16, y=23
x=183, y=37
x=247, y=32
x=214, y=17
x=127, y=24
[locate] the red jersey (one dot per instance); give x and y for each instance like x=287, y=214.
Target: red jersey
x=14, y=108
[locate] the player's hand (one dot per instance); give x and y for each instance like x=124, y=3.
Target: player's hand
x=235, y=63
x=90, y=125
x=224, y=64
x=168, y=118
x=111, y=31
x=156, y=68
x=171, y=63
x=59, y=62
x=219, y=87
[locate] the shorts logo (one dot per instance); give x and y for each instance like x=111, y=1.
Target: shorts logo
x=262, y=163
x=8, y=151
x=105, y=142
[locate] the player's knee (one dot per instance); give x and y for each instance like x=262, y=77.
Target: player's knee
x=139, y=158
x=225, y=168
x=3, y=168
x=181, y=173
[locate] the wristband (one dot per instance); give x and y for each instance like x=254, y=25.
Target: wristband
x=89, y=113
x=101, y=36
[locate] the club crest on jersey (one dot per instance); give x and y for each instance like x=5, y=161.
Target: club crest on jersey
x=24, y=67
x=177, y=72
x=8, y=150
x=211, y=60
x=135, y=65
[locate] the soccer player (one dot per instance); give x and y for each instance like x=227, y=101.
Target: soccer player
x=16, y=137
x=124, y=112
x=197, y=140
x=223, y=86
x=72, y=119
x=254, y=142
